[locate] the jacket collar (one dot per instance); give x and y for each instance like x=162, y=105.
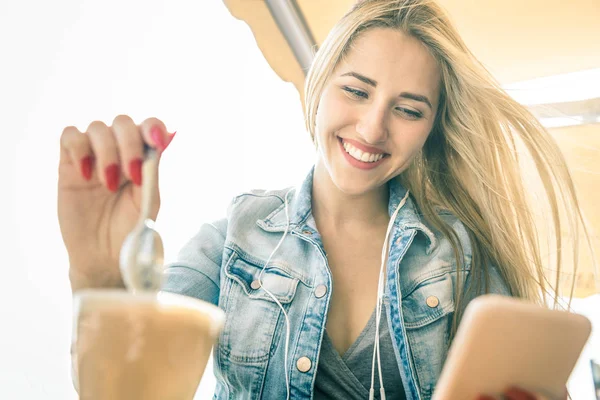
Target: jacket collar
x=300, y=205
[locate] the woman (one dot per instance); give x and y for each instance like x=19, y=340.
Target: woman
x=416, y=158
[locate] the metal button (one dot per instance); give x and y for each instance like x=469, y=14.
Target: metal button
x=320, y=291
x=255, y=284
x=307, y=232
x=432, y=301
x=303, y=364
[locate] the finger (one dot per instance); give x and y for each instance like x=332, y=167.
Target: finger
x=130, y=146
x=76, y=149
x=155, y=134
x=519, y=394
x=104, y=146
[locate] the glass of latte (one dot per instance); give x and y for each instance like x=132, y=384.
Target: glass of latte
x=152, y=345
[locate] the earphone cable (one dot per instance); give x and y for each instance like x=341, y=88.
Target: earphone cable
x=378, y=307
x=287, y=320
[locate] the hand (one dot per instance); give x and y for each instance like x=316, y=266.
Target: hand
x=519, y=394
x=99, y=194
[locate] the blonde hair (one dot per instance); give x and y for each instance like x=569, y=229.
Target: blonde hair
x=470, y=163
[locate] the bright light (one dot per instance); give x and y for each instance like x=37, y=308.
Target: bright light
x=575, y=86
x=559, y=122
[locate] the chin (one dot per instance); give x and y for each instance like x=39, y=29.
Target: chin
x=353, y=189
x=353, y=184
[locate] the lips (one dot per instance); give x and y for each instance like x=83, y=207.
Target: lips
x=363, y=165
x=363, y=147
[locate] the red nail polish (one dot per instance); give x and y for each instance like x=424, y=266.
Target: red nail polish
x=157, y=138
x=135, y=170
x=170, y=139
x=112, y=177
x=86, y=167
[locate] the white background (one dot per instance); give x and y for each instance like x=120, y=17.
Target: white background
x=189, y=63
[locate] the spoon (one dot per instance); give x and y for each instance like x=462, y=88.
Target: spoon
x=142, y=254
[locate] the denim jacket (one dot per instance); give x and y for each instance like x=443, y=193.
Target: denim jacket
x=222, y=263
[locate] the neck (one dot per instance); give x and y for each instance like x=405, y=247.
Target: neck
x=339, y=211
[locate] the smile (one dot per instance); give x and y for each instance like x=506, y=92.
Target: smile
x=361, y=155
x=360, y=158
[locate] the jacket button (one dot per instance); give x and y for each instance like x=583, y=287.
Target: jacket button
x=303, y=364
x=320, y=291
x=432, y=301
x=255, y=284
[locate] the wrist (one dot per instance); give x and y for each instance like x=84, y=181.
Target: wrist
x=105, y=280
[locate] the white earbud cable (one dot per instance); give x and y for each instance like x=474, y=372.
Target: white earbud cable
x=379, y=305
x=287, y=320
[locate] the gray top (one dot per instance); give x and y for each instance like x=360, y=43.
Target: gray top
x=349, y=377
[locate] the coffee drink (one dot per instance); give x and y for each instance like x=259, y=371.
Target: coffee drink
x=141, y=346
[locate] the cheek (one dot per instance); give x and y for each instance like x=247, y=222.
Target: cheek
x=321, y=117
x=332, y=113
x=412, y=139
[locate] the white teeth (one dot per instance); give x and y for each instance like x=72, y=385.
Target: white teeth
x=360, y=155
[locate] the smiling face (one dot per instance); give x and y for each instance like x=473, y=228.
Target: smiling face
x=376, y=110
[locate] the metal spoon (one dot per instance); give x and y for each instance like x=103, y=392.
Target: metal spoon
x=142, y=254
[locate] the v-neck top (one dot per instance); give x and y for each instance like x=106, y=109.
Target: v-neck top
x=348, y=377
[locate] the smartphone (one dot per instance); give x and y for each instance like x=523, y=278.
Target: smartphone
x=505, y=342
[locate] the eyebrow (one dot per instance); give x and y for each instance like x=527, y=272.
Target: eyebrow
x=406, y=95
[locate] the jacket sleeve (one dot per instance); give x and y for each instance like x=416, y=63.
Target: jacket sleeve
x=196, y=273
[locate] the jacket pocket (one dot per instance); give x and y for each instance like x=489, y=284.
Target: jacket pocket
x=428, y=313
x=252, y=315
x=431, y=300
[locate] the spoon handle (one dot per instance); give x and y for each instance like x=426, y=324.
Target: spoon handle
x=149, y=182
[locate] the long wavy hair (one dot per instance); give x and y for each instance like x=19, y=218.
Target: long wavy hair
x=470, y=163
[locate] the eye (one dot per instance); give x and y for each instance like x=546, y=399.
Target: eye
x=411, y=114
x=359, y=94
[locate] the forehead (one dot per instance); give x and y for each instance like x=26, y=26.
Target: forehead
x=392, y=57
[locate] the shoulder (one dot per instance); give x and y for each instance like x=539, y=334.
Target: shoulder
x=481, y=276
x=437, y=236
x=484, y=275
x=456, y=226
x=256, y=204
x=260, y=197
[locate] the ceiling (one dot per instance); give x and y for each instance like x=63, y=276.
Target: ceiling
x=515, y=40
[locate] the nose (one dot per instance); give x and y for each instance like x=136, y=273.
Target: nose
x=372, y=124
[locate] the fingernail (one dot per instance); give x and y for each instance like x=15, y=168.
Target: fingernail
x=112, y=177
x=86, y=167
x=135, y=170
x=157, y=138
x=170, y=139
